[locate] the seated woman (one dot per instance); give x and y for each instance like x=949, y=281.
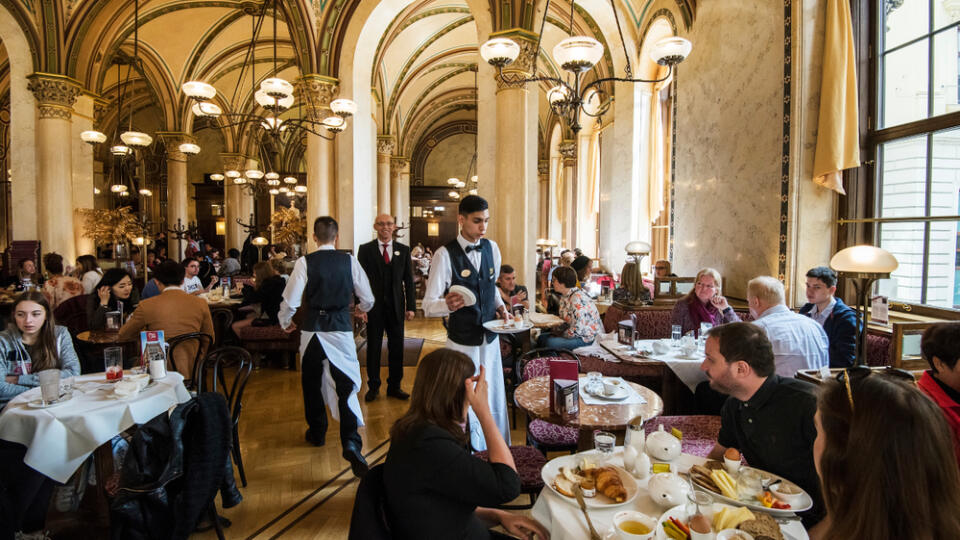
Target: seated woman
x=89, y=272
x=703, y=304
x=264, y=296
x=628, y=278
x=59, y=287
x=886, y=461
x=581, y=319
x=30, y=345
x=114, y=290
x=433, y=487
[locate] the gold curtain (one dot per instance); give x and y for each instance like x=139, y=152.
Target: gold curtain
x=838, y=145
x=660, y=234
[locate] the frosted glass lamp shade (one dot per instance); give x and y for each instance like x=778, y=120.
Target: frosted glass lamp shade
x=334, y=124
x=272, y=103
x=272, y=123
x=117, y=188
x=274, y=191
x=190, y=149
x=671, y=51
x=474, y=179
x=232, y=174
x=259, y=241
x=300, y=189
x=136, y=138
x=864, y=259
x=240, y=180
x=578, y=53
x=273, y=182
x=500, y=52
x=216, y=177
x=276, y=87
x=343, y=107
x=453, y=181
x=206, y=108
x=290, y=180
x=146, y=192
x=198, y=90
x=637, y=247
x=93, y=137
x=120, y=150
x=558, y=95
x=254, y=174
x=271, y=176
x=284, y=189
x=473, y=191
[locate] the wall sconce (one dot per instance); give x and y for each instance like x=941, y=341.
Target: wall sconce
x=433, y=229
x=221, y=227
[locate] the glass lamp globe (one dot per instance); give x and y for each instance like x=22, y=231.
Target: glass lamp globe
x=864, y=259
x=254, y=174
x=146, y=192
x=335, y=124
x=216, y=177
x=93, y=137
x=117, y=188
x=274, y=191
x=120, y=150
x=343, y=107
x=96, y=191
x=273, y=182
x=284, y=189
x=300, y=189
x=240, y=180
x=271, y=176
x=206, y=108
x=276, y=87
x=473, y=191
x=190, y=149
x=671, y=51
x=557, y=95
x=453, y=181
x=272, y=123
x=500, y=52
x=136, y=138
x=290, y=180
x=232, y=173
x=474, y=179
x=198, y=90
x=272, y=103
x=461, y=185
x=577, y=54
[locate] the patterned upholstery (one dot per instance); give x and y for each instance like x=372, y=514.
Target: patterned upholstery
x=536, y=367
x=549, y=435
x=652, y=323
x=878, y=350
x=529, y=462
x=699, y=432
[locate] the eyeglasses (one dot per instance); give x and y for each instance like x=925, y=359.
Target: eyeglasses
x=705, y=286
x=862, y=372
x=382, y=224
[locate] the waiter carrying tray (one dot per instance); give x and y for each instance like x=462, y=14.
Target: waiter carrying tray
x=326, y=282
x=472, y=262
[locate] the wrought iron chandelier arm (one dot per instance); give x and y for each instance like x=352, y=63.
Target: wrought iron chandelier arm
x=307, y=125
x=625, y=79
x=511, y=78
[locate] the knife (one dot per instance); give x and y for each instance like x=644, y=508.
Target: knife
x=583, y=508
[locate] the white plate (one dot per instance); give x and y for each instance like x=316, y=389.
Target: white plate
x=469, y=298
x=805, y=503
x=552, y=469
x=621, y=394
x=496, y=326
x=39, y=404
x=793, y=529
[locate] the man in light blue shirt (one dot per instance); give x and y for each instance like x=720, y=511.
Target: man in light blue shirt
x=798, y=341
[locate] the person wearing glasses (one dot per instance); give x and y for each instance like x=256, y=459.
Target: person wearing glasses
x=703, y=304
x=768, y=418
x=662, y=269
x=940, y=345
x=885, y=457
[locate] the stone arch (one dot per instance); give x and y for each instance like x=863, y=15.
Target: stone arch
x=426, y=144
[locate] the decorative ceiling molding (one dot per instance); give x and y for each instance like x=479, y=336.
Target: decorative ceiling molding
x=427, y=143
x=433, y=86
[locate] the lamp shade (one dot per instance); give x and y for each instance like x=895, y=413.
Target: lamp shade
x=499, y=51
x=578, y=53
x=473, y=191
x=240, y=180
x=255, y=174
x=557, y=95
x=284, y=189
x=119, y=150
x=670, y=51
x=117, y=188
x=276, y=87
x=272, y=103
x=93, y=137
x=453, y=181
x=216, y=177
x=272, y=123
x=271, y=176
x=474, y=179
x=190, y=148
x=136, y=138
x=864, y=259
x=259, y=241
x=637, y=246
x=290, y=180
x=335, y=124
x=146, y=192
x=453, y=195
x=198, y=90
x=274, y=191
x=273, y=182
x=232, y=174
x=206, y=108
x=343, y=107
x=461, y=185
x=300, y=189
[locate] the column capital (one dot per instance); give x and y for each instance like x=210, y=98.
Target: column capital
x=568, y=149
x=543, y=168
x=55, y=94
x=316, y=92
x=386, y=144
x=522, y=67
x=233, y=161
x=172, y=141
x=399, y=162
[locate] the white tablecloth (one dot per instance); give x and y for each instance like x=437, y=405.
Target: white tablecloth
x=59, y=439
x=565, y=521
x=686, y=369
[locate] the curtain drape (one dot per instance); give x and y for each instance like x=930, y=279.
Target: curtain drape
x=593, y=173
x=657, y=170
x=660, y=233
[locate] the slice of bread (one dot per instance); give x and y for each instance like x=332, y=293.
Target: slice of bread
x=563, y=485
x=763, y=527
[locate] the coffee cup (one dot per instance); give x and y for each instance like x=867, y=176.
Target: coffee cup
x=632, y=525
x=611, y=387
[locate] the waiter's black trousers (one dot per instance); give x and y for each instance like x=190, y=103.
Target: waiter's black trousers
x=380, y=320
x=311, y=377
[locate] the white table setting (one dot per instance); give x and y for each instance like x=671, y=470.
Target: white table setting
x=60, y=435
x=683, y=361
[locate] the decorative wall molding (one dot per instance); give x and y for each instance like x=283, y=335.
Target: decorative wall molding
x=785, y=160
x=55, y=94
x=428, y=142
x=385, y=145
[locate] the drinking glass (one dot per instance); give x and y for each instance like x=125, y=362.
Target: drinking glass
x=749, y=483
x=113, y=362
x=66, y=385
x=702, y=339
x=699, y=502
x=49, y=385
x=676, y=333
x=604, y=443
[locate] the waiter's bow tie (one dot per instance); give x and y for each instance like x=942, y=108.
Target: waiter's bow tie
x=471, y=247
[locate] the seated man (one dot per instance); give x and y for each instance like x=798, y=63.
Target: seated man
x=173, y=311
x=511, y=293
x=768, y=418
x=941, y=347
x=839, y=321
x=230, y=265
x=798, y=341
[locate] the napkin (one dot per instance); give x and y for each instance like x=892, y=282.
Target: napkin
x=126, y=388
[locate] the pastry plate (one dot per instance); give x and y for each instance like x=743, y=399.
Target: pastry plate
x=497, y=327
x=552, y=469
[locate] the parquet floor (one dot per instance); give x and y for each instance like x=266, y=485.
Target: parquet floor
x=296, y=490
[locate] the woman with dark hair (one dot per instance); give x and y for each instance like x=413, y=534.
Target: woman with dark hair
x=703, y=304
x=885, y=458
x=265, y=295
x=59, y=288
x=433, y=486
x=581, y=319
x=114, y=289
x=89, y=272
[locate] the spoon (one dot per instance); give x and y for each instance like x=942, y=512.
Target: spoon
x=583, y=508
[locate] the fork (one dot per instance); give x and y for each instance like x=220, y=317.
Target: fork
x=583, y=508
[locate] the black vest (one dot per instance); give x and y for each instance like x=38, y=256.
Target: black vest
x=328, y=293
x=465, y=326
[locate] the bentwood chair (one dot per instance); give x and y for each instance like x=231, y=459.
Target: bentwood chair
x=543, y=435
x=180, y=343
x=222, y=320
x=227, y=370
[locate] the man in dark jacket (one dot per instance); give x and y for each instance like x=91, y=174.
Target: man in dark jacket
x=388, y=267
x=839, y=321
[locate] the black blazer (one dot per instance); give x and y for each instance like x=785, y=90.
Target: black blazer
x=403, y=292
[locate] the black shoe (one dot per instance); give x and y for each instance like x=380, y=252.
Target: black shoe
x=371, y=394
x=397, y=393
x=351, y=452
x=314, y=439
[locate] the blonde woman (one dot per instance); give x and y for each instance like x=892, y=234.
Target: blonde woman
x=703, y=304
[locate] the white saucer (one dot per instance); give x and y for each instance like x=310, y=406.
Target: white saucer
x=39, y=404
x=469, y=298
x=622, y=393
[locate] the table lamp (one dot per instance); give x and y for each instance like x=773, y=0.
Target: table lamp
x=863, y=265
x=259, y=242
x=636, y=249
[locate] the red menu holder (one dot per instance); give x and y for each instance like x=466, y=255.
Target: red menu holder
x=564, y=369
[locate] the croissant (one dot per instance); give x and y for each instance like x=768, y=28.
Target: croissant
x=609, y=484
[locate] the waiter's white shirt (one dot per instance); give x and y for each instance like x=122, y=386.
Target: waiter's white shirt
x=340, y=347
x=441, y=274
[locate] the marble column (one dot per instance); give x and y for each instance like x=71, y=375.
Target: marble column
x=82, y=164
x=385, y=145
x=317, y=91
x=400, y=189
x=177, y=196
x=514, y=210
x=568, y=149
x=234, y=236
x=55, y=95
x=543, y=170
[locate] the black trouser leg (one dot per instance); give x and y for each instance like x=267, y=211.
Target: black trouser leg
x=395, y=351
x=348, y=420
x=375, y=328
x=311, y=378
x=28, y=491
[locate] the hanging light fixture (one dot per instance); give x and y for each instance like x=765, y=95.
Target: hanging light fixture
x=190, y=149
x=216, y=177
x=93, y=137
x=453, y=181
x=290, y=180
x=577, y=55
x=274, y=191
x=300, y=189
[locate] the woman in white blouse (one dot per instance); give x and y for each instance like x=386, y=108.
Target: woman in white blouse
x=89, y=272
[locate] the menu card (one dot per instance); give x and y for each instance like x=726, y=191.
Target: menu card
x=563, y=369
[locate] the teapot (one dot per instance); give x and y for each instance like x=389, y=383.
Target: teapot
x=668, y=489
x=663, y=446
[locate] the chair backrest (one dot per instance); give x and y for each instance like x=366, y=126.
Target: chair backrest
x=72, y=313
x=222, y=319
x=905, y=345
x=369, y=519
x=184, y=344
x=213, y=371
x=670, y=289
x=536, y=363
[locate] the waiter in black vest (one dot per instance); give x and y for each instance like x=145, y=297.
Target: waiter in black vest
x=326, y=281
x=473, y=262
x=387, y=264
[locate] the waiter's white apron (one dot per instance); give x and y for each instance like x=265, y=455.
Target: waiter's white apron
x=341, y=350
x=487, y=355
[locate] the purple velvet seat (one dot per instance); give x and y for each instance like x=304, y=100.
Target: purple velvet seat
x=542, y=435
x=699, y=431
x=529, y=462
x=878, y=350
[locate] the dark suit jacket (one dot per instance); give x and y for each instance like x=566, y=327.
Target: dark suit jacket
x=403, y=293
x=841, y=329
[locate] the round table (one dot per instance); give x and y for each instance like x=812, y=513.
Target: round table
x=96, y=341
x=533, y=397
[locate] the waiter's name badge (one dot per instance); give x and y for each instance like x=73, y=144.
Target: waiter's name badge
x=396, y=253
x=491, y=271
x=465, y=273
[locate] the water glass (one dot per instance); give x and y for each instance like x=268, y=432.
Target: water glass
x=676, y=333
x=66, y=385
x=49, y=385
x=604, y=443
x=699, y=502
x=113, y=362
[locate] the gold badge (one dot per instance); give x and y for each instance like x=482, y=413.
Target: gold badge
x=491, y=271
x=465, y=273
x=396, y=253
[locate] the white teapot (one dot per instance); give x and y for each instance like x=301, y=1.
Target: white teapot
x=663, y=446
x=668, y=489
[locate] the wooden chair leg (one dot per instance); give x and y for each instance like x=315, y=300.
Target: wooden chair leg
x=215, y=519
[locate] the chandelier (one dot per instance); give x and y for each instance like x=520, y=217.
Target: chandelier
x=577, y=55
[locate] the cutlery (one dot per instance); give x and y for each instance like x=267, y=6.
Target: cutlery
x=583, y=508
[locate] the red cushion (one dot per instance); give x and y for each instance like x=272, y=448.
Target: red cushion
x=878, y=350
